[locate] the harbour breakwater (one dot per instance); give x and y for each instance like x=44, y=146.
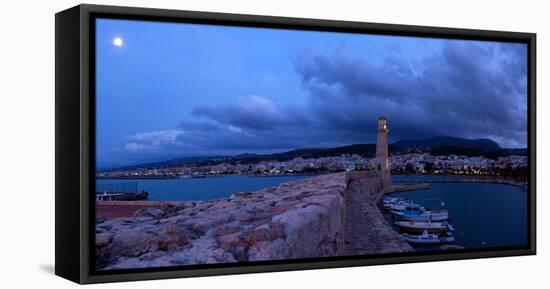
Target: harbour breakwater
x=322, y=216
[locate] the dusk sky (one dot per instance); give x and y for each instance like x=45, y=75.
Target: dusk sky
x=167, y=90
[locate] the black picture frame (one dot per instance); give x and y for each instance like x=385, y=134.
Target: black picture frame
x=75, y=141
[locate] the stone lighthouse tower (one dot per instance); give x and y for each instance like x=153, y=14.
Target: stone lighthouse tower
x=382, y=162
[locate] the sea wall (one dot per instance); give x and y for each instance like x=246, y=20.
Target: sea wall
x=366, y=229
x=299, y=219
x=371, y=186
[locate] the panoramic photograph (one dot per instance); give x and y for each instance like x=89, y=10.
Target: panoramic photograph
x=224, y=144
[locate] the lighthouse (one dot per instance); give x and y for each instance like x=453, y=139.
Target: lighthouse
x=382, y=162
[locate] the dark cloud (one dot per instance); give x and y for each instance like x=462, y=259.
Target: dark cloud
x=470, y=89
x=354, y=76
x=465, y=89
x=255, y=112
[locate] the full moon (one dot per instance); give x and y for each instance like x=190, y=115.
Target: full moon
x=118, y=42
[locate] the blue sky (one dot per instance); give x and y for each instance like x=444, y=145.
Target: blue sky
x=173, y=90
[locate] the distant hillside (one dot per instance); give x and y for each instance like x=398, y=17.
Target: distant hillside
x=170, y=163
x=481, y=145
x=366, y=150
x=437, y=145
x=360, y=149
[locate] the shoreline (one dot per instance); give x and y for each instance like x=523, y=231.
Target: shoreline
x=209, y=176
x=467, y=181
x=118, y=209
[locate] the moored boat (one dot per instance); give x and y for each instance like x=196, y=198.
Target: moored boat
x=388, y=201
x=422, y=215
x=406, y=205
x=429, y=239
x=419, y=227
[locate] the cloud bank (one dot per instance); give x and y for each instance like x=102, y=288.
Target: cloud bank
x=464, y=89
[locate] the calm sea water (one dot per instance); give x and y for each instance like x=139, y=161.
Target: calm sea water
x=483, y=215
x=202, y=188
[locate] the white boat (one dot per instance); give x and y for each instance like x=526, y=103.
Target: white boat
x=419, y=227
x=405, y=205
x=388, y=201
x=392, y=200
x=422, y=215
x=429, y=239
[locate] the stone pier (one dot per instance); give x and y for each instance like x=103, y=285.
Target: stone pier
x=327, y=215
x=367, y=231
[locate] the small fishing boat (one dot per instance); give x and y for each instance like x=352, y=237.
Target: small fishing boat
x=405, y=205
x=389, y=201
x=419, y=227
x=429, y=239
x=422, y=215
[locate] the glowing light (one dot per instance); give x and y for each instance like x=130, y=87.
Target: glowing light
x=118, y=42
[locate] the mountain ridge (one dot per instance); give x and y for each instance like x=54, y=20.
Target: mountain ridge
x=438, y=145
x=482, y=144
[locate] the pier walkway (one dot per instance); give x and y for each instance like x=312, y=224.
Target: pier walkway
x=366, y=230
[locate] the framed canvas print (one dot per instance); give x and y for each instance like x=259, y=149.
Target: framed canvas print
x=193, y=144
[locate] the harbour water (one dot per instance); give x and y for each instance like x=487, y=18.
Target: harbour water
x=483, y=215
x=208, y=188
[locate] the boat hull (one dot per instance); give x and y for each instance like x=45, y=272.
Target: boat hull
x=414, y=227
x=433, y=217
x=404, y=207
x=417, y=240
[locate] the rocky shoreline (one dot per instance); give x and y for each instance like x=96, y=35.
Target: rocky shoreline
x=298, y=219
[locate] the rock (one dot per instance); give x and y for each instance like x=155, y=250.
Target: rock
x=205, y=250
x=149, y=212
x=170, y=209
x=205, y=224
x=241, y=216
x=228, y=242
x=240, y=253
x=265, y=233
x=261, y=234
x=133, y=243
x=233, y=228
x=108, y=224
x=180, y=258
x=172, y=237
x=100, y=219
x=281, y=207
x=268, y=250
x=240, y=195
x=298, y=219
x=103, y=239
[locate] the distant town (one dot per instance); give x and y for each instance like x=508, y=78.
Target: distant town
x=406, y=163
